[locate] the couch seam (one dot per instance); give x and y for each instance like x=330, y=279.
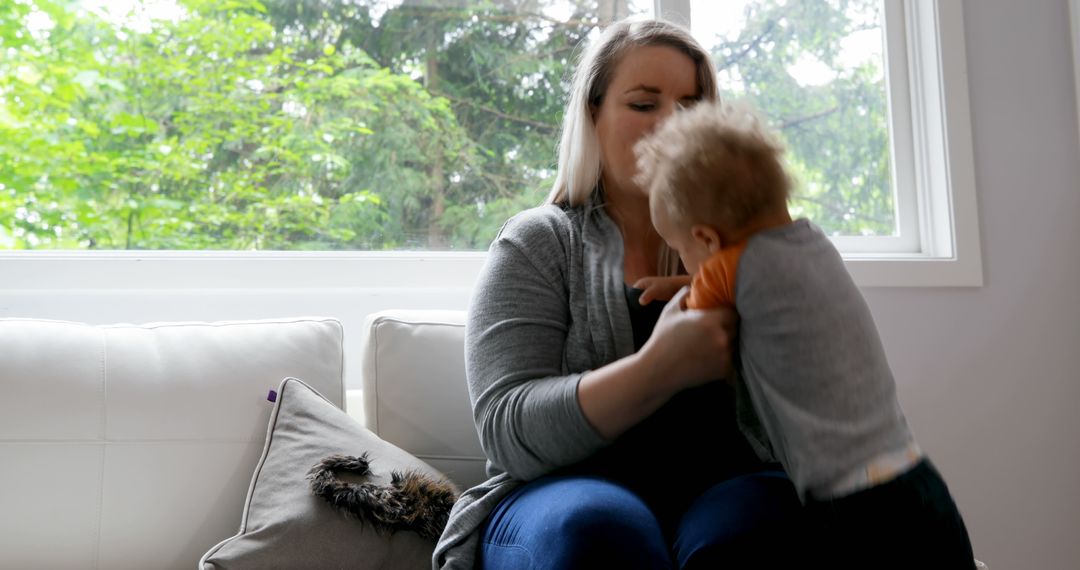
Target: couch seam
x=401, y=320
x=342, y=380
x=104, y=447
x=220, y=324
x=375, y=370
x=450, y=457
x=164, y=324
x=128, y=441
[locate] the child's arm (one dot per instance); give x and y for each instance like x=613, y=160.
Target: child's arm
x=660, y=288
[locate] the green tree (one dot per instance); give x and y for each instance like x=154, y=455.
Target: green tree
x=837, y=133
x=207, y=132
x=321, y=124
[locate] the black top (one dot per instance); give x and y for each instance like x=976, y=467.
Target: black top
x=642, y=317
x=685, y=447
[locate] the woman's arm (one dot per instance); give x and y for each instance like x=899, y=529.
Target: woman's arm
x=686, y=349
x=532, y=418
x=526, y=410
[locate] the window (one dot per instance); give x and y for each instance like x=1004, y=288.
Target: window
x=871, y=99
x=817, y=71
x=373, y=125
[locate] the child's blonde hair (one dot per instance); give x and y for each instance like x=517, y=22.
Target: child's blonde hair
x=715, y=163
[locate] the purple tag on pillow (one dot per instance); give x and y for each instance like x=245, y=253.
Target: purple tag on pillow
x=272, y=396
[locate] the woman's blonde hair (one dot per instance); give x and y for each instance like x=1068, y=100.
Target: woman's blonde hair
x=578, y=174
x=579, y=150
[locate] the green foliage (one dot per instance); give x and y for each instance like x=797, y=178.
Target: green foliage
x=837, y=133
x=211, y=133
x=323, y=124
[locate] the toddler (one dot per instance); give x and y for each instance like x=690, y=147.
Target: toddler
x=810, y=358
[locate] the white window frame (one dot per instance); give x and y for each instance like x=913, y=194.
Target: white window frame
x=908, y=187
x=928, y=92
x=932, y=159
x=928, y=77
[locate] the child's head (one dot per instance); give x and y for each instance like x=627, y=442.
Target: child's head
x=713, y=172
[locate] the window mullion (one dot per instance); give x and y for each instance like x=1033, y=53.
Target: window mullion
x=902, y=126
x=928, y=139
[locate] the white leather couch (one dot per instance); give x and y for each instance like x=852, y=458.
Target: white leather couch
x=133, y=446
x=414, y=389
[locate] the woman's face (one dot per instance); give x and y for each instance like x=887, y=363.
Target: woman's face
x=647, y=86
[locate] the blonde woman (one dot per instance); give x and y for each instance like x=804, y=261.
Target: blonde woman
x=610, y=435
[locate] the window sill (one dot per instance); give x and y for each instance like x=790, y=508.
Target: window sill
x=913, y=271
x=129, y=270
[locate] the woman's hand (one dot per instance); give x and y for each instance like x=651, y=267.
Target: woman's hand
x=660, y=288
x=687, y=348
x=691, y=347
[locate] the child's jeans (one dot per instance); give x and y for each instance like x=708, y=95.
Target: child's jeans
x=908, y=522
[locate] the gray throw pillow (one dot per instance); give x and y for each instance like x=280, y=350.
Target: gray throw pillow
x=285, y=526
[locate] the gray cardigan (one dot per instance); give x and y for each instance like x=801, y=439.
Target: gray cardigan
x=549, y=305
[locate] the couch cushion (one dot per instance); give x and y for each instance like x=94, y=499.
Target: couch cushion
x=415, y=395
x=286, y=526
x=132, y=446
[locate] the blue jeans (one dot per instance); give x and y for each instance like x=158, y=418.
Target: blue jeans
x=751, y=520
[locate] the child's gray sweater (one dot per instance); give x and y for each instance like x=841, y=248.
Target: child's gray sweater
x=812, y=359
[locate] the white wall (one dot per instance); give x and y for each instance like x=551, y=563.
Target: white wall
x=989, y=377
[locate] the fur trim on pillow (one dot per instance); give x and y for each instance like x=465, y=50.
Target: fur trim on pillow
x=413, y=501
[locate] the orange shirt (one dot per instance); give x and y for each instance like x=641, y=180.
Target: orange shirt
x=714, y=284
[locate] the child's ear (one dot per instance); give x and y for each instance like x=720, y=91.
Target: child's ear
x=707, y=236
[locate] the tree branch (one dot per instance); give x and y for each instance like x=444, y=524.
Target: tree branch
x=791, y=123
x=546, y=127
x=728, y=63
x=768, y=29
x=488, y=17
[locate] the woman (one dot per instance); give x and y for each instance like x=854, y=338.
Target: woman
x=610, y=441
